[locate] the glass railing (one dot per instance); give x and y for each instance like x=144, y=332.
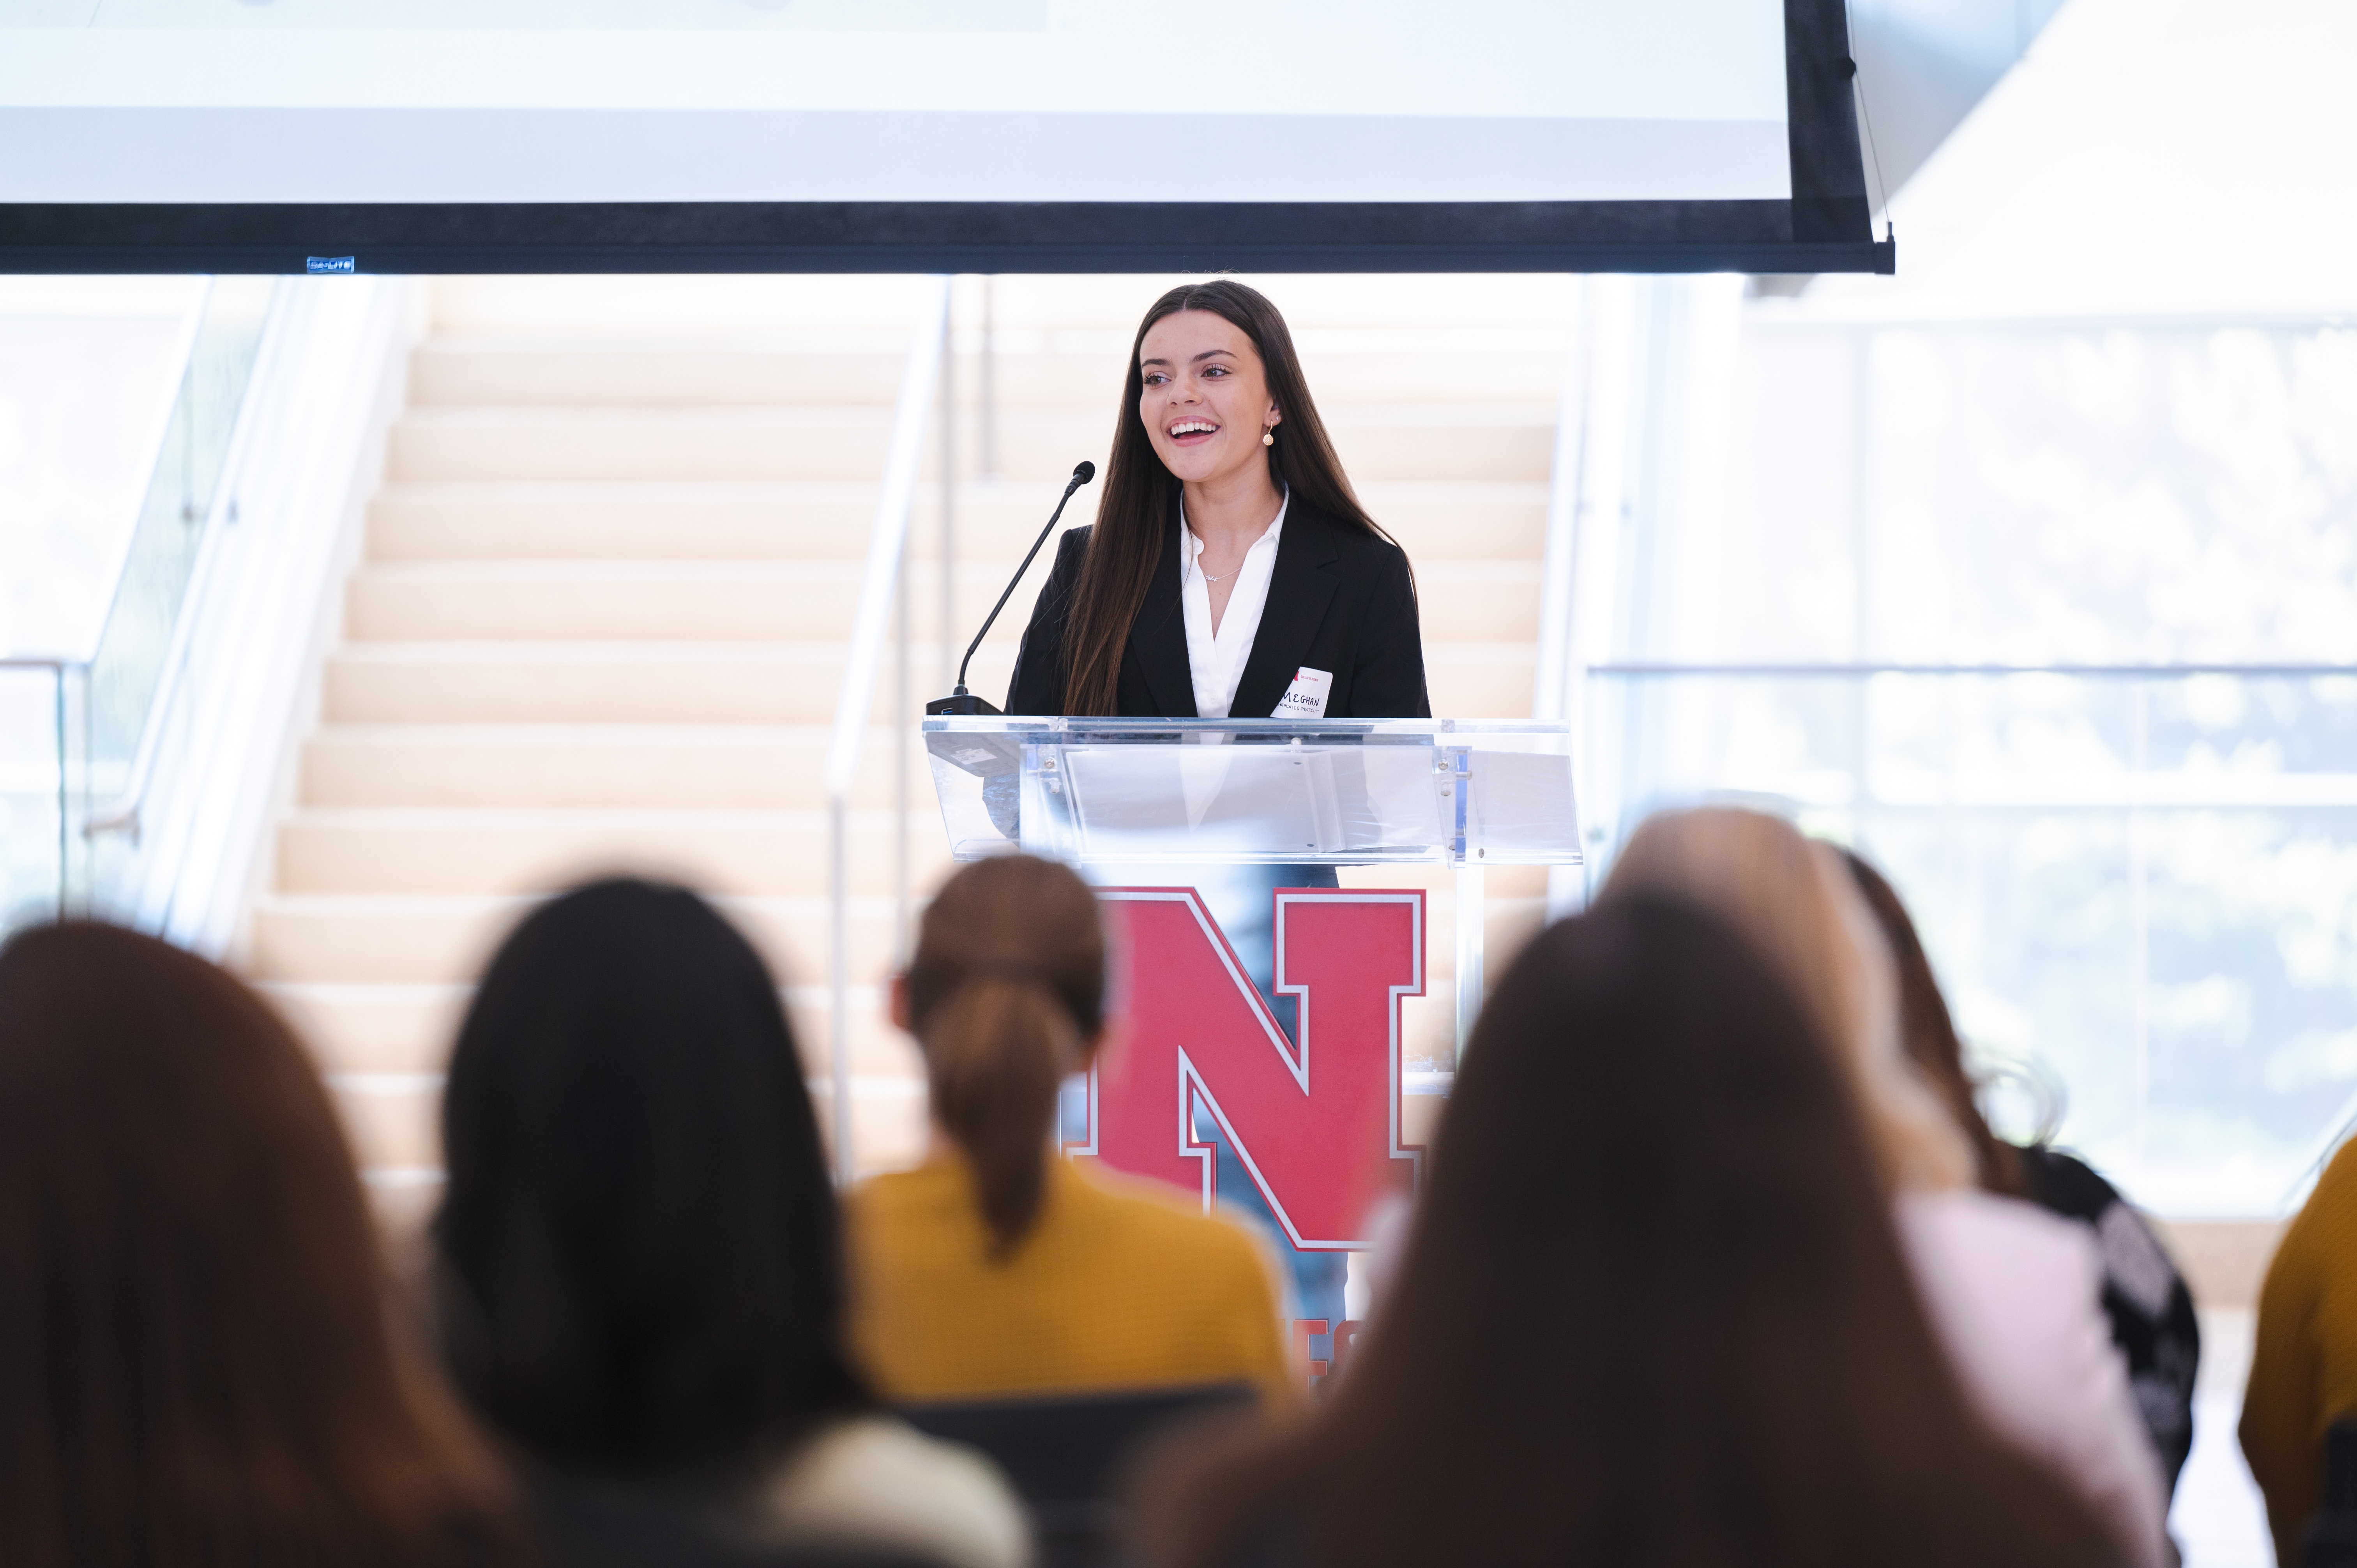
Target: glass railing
x=38, y=699
x=74, y=723
x=2140, y=883
x=182, y=506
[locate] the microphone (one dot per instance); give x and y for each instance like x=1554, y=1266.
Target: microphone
x=963, y=700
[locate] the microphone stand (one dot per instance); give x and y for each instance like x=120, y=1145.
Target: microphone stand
x=963, y=700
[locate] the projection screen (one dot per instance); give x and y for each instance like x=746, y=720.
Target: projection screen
x=970, y=135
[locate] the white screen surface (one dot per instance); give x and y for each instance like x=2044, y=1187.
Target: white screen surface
x=508, y=100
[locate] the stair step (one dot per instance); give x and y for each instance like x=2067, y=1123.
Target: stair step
x=746, y=684
x=829, y=519
x=741, y=601
x=568, y=766
x=392, y=940
x=641, y=682
x=484, y=850
x=555, y=521
x=359, y=1026
x=446, y=371
x=1425, y=441
x=1481, y=679
x=375, y=939
x=829, y=442
x=666, y=601
x=388, y=1030
x=393, y=1120
x=458, y=683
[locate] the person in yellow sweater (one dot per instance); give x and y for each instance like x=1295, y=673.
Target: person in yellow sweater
x=997, y=1269
x=2304, y=1361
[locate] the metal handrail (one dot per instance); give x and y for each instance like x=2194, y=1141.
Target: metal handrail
x=122, y=813
x=886, y=550
x=1583, y=480
x=1560, y=567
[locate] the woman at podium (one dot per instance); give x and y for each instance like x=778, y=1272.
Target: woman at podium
x=1232, y=572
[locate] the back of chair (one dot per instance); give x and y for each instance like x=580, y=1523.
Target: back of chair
x=1064, y=1456
x=587, y=1527
x=2332, y=1538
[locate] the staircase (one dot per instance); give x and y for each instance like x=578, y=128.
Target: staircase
x=609, y=576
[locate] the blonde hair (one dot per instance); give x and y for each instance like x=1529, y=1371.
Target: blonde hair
x=1793, y=900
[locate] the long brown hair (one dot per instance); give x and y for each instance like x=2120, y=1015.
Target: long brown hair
x=1006, y=997
x=1652, y=1312
x=1929, y=1032
x=198, y=1360
x=1140, y=503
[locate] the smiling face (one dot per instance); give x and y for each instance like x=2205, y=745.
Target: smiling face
x=1204, y=401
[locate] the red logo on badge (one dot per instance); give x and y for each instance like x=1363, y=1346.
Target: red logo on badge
x=1317, y=1126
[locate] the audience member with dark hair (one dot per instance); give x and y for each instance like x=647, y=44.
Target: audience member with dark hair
x=2150, y=1309
x=1652, y=1311
x=996, y=1267
x=638, y=1255
x=197, y=1359
x=2014, y=1293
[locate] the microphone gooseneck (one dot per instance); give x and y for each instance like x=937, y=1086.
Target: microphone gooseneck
x=1082, y=473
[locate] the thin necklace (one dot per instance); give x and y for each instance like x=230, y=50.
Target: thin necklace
x=1208, y=578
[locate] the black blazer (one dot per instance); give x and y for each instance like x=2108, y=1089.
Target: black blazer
x=1339, y=599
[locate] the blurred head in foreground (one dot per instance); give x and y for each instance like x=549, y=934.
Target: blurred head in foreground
x=639, y=1256
x=1792, y=898
x=1929, y=1034
x=1653, y=1310
x=197, y=1363
x=1005, y=996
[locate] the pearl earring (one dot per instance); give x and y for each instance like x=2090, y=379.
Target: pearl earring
x=1268, y=437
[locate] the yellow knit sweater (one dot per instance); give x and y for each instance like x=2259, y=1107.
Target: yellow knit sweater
x=2304, y=1363
x=1120, y=1286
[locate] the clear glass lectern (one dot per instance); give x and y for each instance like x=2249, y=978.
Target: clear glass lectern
x=1466, y=794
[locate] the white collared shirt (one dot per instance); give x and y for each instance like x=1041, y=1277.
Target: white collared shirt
x=1217, y=660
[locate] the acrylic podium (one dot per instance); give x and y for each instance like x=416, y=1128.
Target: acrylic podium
x=1264, y=1063
x=1326, y=792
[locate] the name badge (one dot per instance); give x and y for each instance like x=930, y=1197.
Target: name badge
x=1306, y=698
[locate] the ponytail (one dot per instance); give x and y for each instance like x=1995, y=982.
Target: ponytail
x=996, y=1055
x=1006, y=996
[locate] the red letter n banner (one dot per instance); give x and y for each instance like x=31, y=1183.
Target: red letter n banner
x=1317, y=1127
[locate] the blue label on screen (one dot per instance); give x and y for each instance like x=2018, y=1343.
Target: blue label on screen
x=329, y=265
